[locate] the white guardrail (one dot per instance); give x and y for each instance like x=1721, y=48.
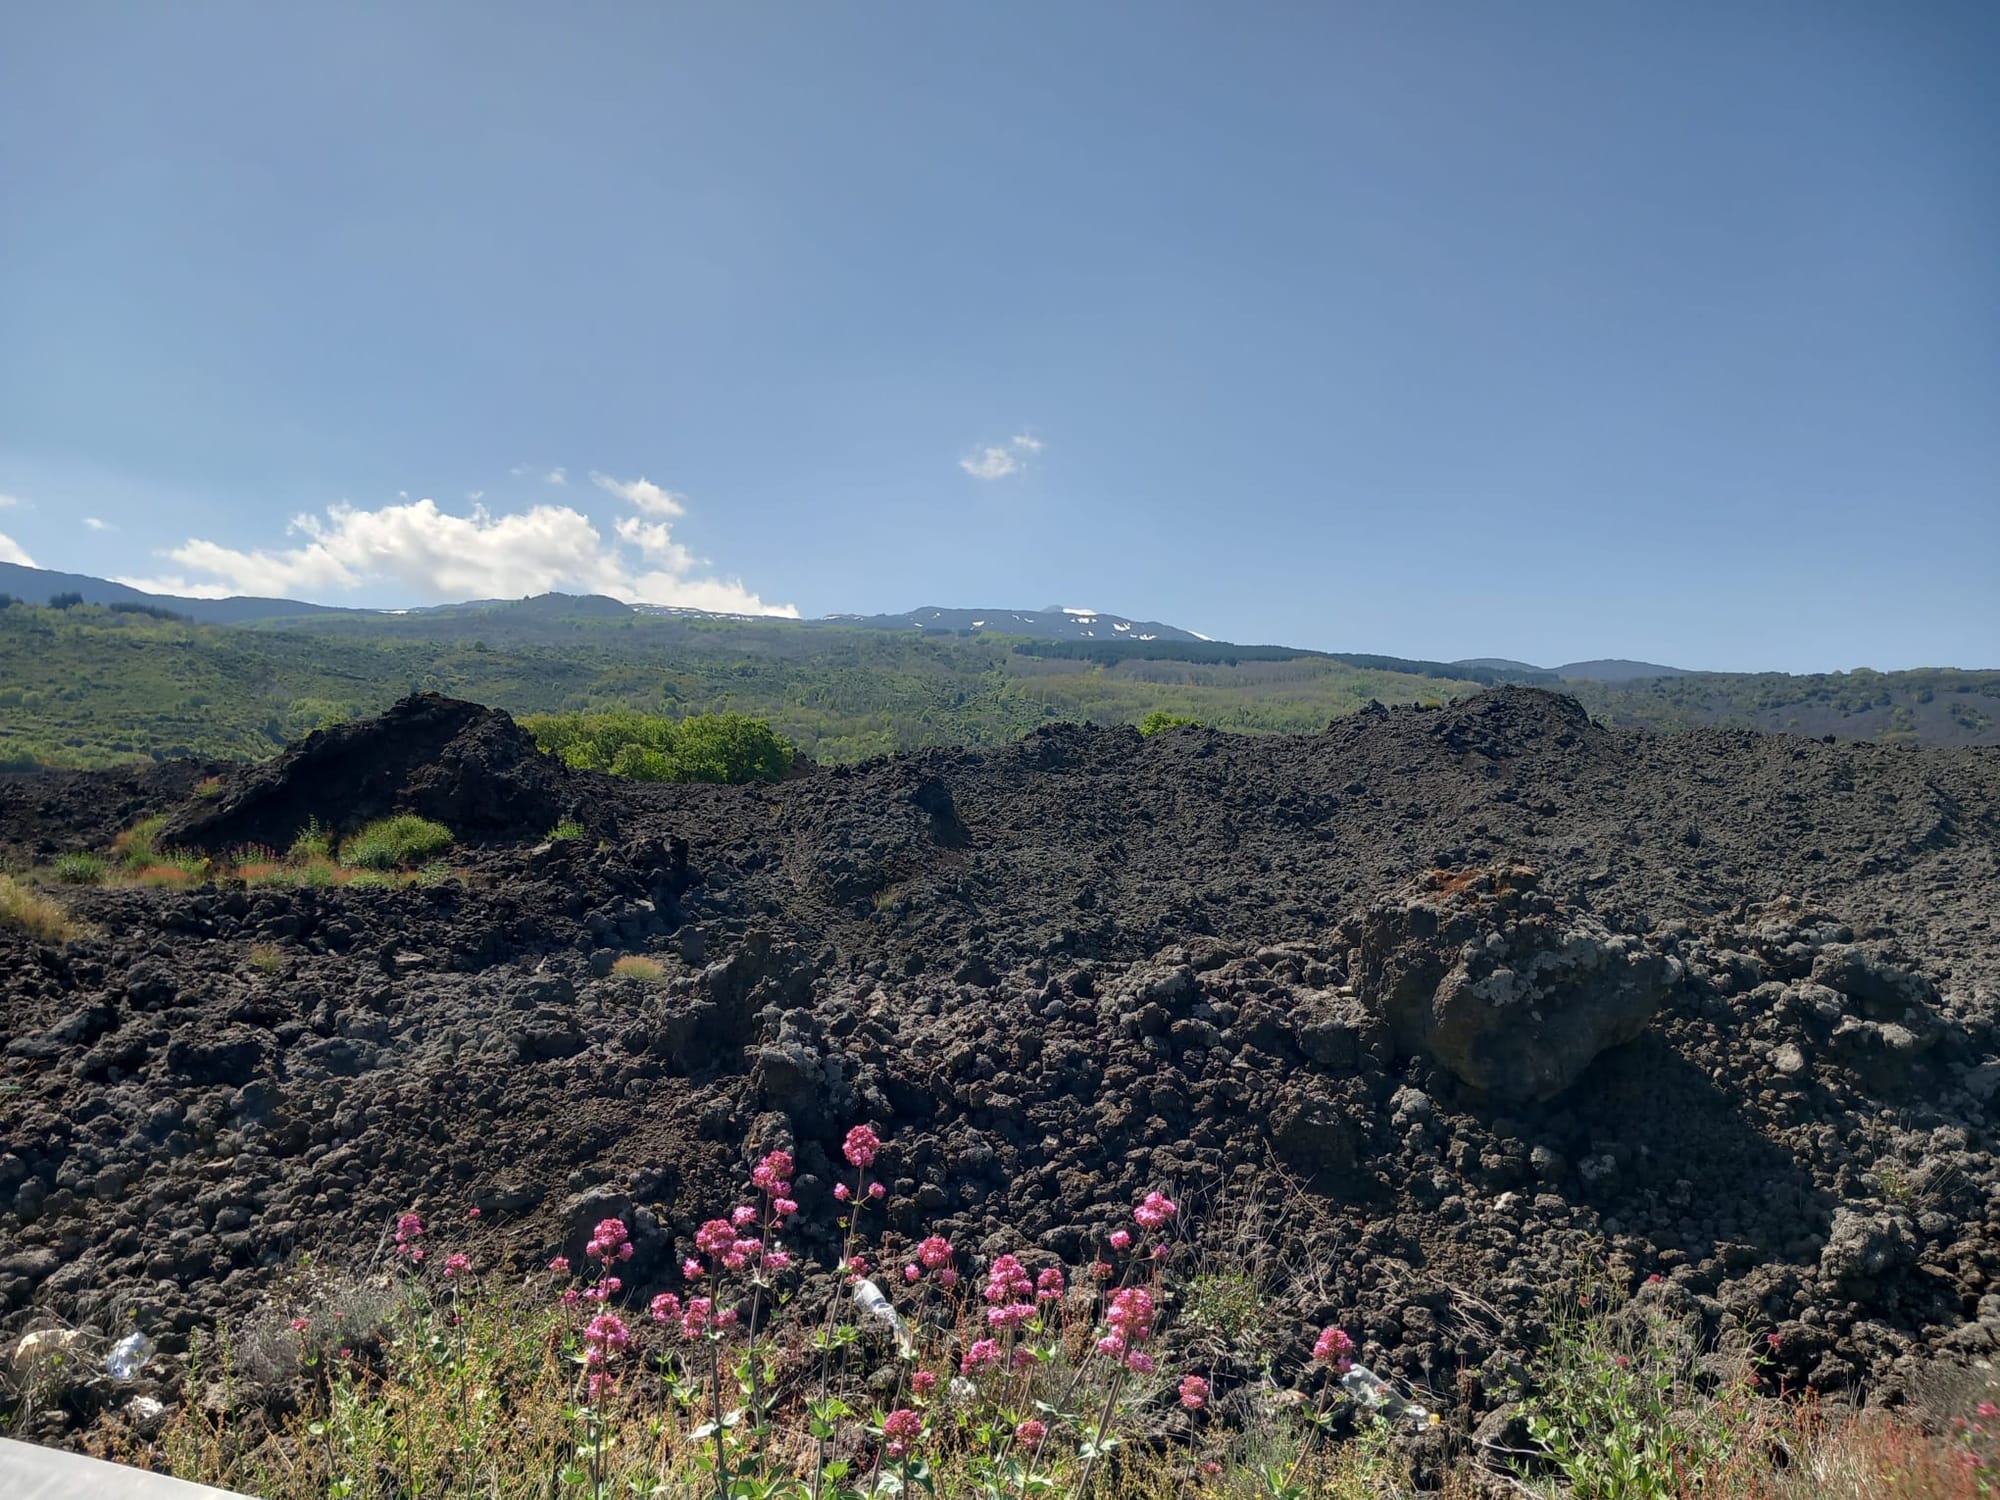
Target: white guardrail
x=31, y=1473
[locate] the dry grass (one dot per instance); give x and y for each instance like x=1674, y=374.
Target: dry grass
x=36, y=913
x=636, y=966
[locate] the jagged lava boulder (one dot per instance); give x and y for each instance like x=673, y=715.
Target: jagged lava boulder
x=469, y=767
x=1510, y=989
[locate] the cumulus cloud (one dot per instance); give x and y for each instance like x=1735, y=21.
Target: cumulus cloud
x=998, y=460
x=97, y=525
x=433, y=554
x=642, y=494
x=12, y=551
x=557, y=475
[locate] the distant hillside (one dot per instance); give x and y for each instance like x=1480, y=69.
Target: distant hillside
x=39, y=585
x=1616, y=670
x=1046, y=624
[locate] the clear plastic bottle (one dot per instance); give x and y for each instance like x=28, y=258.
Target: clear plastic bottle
x=126, y=1360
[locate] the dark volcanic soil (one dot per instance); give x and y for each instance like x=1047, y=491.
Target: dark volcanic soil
x=1058, y=974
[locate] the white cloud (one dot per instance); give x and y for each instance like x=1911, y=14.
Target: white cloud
x=96, y=525
x=7, y=500
x=435, y=555
x=557, y=475
x=11, y=551
x=998, y=460
x=641, y=494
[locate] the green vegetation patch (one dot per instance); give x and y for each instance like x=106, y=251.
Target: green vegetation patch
x=727, y=747
x=395, y=843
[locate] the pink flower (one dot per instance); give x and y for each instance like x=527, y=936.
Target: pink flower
x=1774, y=1338
x=772, y=1171
x=1007, y=1280
x=1155, y=1211
x=1131, y=1312
x=1030, y=1433
x=876, y=1190
x=1111, y=1343
x=1010, y=1314
x=861, y=1145
x=742, y=1214
x=408, y=1228
x=1049, y=1285
x=606, y=1334
x=1987, y=1409
x=726, y=1318
x=571, y=1296
x=559, y=1264
x=609, y=1241
x=694, y=1317
x=716, y=1238
x=777, y=1260
x=902, y=1427
x=911, y=1272
x=924, y=1382
x=857, y=1265
x=457, y=1263
x=665, y=1308
x=415, y=1252
x=472, y=1212
x=691, y=1269
x=934, y=1251
x=841, y=1192
x=1194, y=1392
x=983, y=1354
x=1138, y=1363
x=1332, y=1347
x=300, y=1325
x=1102, y=1270
x=948, y=1277
x=599, y=1382
x=1121, y=1239
x=785, y=1207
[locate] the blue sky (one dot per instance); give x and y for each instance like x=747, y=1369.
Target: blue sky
x=1537, y=330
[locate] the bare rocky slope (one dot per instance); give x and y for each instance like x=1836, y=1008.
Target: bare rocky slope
x=1420, y=1017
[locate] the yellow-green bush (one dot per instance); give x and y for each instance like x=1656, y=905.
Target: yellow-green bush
x=722, y=747
x=395, y=843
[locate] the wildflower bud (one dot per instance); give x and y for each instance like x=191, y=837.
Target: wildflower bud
x=910, y=1272
x=472, y=1212
x=1121, y=1239
x=1030, y=1433
x=876, y=1190
x=1194, y=1392
x=841, y=1192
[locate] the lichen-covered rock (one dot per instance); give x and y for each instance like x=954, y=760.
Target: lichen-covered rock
x=1862, y=1247
x=1511, y=990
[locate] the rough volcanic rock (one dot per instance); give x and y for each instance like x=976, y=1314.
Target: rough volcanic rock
x=1104, y=964
x=469, y=767
x=1510, y=989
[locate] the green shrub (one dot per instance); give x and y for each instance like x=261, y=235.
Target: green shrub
x=1160, y=719
x=568, y=828
x=313, y=842
x=135, y=846
x=637, y=966
x=78, y=869
x=725, y=747
x=395, y=843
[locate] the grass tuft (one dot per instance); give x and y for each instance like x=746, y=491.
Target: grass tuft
x=78, y=869
x=637, y=966
x=40, y=916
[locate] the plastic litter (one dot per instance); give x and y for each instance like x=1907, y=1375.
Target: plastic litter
x=868, y=1297
x=126, y=1360
x=1372, y=1391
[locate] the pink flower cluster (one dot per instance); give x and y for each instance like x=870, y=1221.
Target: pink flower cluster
x=983, y=1354
x=1194, y=1392
x=458, y=1263
x=861, y=1145
x=1008, y=1290
x=1129, y=1323
x=609, y=1241
x=1154, y=1211
x=1334, y=1347
x=902, y=1427
x=1049, y=1285
x=1030, y=1433
x=603, y=1338
x=719, y=1241
x=773, y=1177
x=409, y=1229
